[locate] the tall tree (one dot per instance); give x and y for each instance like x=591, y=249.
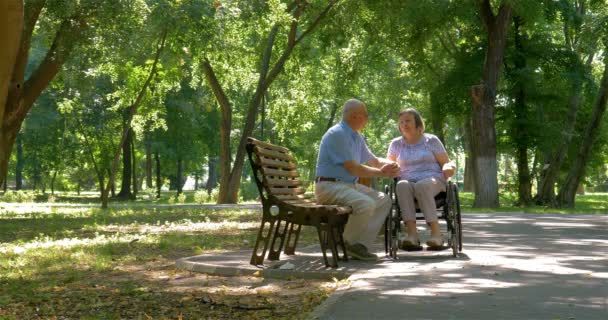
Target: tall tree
x=131, y=111
x=66, y=23
x=483, y=142
x=11, y=27
x=268, y=72
x=577, y=171
x=574, y=13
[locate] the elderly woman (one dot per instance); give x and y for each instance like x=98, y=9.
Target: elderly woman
x=425, y=167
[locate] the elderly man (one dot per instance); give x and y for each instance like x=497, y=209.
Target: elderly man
x=343, y=158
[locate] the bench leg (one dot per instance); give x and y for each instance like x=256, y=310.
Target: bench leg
x=333, y=245
x=292, y=238
x=322, y=241
x=340, y=230
x=275, y=253
x=263, y=236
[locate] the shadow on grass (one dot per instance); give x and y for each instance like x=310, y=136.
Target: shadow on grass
x=58, y=226
x=86, y=281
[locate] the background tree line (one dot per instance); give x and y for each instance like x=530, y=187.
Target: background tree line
x=120, y=94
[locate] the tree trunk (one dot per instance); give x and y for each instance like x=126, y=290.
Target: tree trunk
x=468, y=180
x=437, y=119
x=148, y=165
x=332, y=116
x=19, y=164
x=158, y=177
x=225, y=126
x=212, y=175
x=53, y=182
x=133, y=163
x=484, y=100
x=567, y=192
x=11, y=27
x=520, y=129
x=100, y=179
x=112, y=183
x=127, y=170
x=179, y=179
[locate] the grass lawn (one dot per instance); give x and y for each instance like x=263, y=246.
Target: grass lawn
x=95, y=264
x=63, y=262
x=590, y=203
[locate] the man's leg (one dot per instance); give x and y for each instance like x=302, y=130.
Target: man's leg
x=382, y=206
x=366, y=215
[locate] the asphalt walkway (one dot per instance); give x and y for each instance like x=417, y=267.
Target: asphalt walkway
x=513, y=266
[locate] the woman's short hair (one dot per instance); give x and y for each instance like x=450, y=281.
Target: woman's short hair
x=417, y=117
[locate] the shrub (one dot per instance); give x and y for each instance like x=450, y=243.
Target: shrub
x=18, y=196
x=201, y=197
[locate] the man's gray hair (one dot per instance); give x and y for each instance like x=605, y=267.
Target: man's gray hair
x=350, y=106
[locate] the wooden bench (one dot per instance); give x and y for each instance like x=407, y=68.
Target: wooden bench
x=286, y=208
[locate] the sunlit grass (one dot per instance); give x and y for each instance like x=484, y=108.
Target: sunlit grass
x=590, y=203
x=59, y=264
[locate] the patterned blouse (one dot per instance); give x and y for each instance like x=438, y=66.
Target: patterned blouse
x=417, y=161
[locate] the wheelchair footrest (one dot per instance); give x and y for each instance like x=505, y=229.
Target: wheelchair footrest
x=444, y=247
x=411, y=248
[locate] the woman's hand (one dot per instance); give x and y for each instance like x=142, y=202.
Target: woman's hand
x=448, y=169
x=390, y=170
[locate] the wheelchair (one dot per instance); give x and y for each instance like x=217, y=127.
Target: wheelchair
x=448, y=209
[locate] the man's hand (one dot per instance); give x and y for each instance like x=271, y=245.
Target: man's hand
x=390, y=170
x=448, y=170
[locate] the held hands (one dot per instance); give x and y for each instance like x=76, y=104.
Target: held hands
x=390, y=170
x=448, y=169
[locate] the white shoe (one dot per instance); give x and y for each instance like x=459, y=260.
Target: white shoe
x=410, y=242
x=435, y=241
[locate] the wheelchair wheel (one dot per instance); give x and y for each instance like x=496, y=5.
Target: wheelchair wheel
x=391, y=226
x=458, y=218
x=454, y=221
x=387, y=224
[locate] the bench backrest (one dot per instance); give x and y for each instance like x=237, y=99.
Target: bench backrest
x=275, y=172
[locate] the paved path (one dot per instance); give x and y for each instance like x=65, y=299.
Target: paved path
x=514, y=266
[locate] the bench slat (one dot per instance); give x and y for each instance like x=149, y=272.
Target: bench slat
x=285, y=197
x=268, y=162
x=272, y=154
x=279, y=173
x=270, y=182
x=267, y=145
x=319, y=208
x=294, y=191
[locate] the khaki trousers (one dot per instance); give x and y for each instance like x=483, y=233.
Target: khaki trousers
x=370, y=208
x=424, y=191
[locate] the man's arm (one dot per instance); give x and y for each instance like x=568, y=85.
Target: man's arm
x=376, y=169
x=379, y=162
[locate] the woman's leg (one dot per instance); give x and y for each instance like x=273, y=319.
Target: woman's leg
x=425, y=192
x=405, y=197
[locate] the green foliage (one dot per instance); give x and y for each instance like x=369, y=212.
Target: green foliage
x=391, y=54
x=18, y=196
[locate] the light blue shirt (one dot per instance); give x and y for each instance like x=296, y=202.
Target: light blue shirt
x=340, y=144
